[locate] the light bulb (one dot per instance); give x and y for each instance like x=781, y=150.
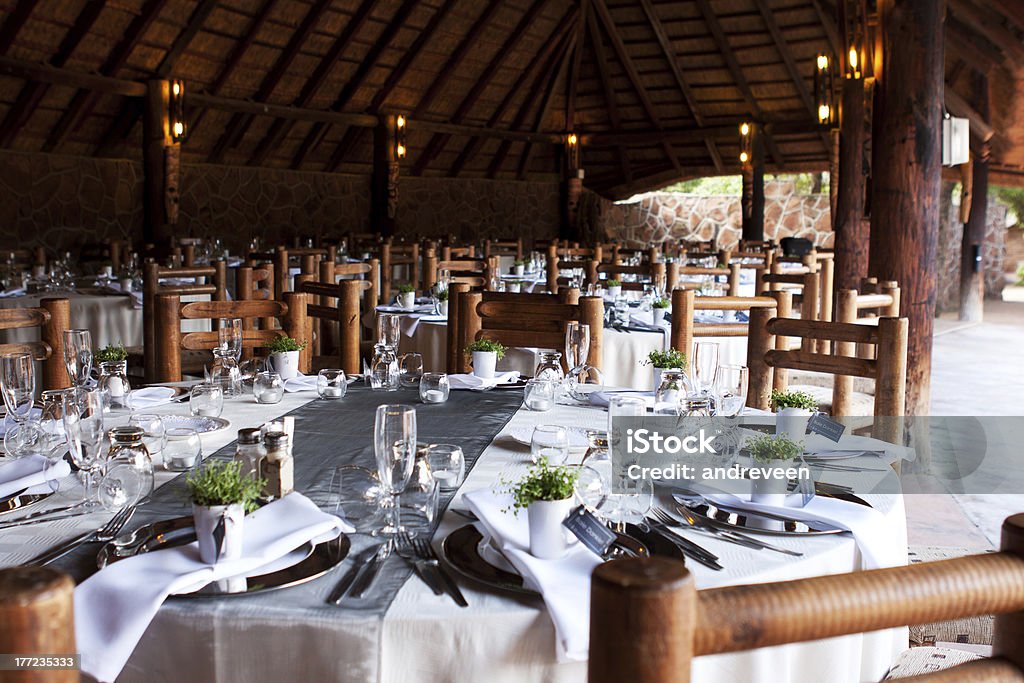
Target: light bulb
x=853, y=59
x=401, y=150
x=743, y=157
x=744, y=129
x=401, y=121
x=824, y=111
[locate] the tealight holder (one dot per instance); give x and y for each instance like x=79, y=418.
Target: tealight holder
x=434, y=387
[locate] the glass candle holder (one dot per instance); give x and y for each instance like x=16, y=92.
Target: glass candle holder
x=448, y=465
x=153, y=433
x=434, y=387
x=539, y=395
x=410, y=370
x=268, y=387
x=183, y=449
x=331, y=383
x=207, y=400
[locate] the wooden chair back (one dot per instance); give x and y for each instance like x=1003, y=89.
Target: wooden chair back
x=527, y=321
x=210, y=280
x=477, y=273
x=52, y=317
x=685, y=305
x=504, y=247
x=170, y=311
x=394, y=255
x=452, y=253
x=649, y=273
x=648, y=620
x=338, y=310
x=888, y=368
x=865, y=309
x=679, y=276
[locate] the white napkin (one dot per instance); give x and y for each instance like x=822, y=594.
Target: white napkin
x=564, y=583
x=819, y=445
x=114, y=607
x=475, y=383
x=300, y=382
x=410, y=322
x=18, y=291
x=30, y=471
x=149, y=397
x=603, y=398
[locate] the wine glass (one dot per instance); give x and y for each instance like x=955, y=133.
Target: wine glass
x=18, y=384
x=78, y=356
x=83, y=423
x=577, y=344
x=730, y=389
x=394, y=444
x=705, y=365
x=229, y=336
x=389, y=329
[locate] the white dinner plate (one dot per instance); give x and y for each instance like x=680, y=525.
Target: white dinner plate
x=202, y=425
x=577, y=436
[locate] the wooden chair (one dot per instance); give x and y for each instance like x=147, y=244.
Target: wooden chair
x=205, y=280
x=450, y=253
x=648, y=273
x=171, y=341
x=526, y=321
x=680, y=276
x=865, y=309
x=52, y=317
x=477, y=273
x=685, y=304
x=504, y=247
x=648, y=620
x=343, y=293
x=566, y=258
x=888, y=368
x=393, y=256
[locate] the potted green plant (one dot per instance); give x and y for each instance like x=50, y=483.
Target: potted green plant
x=221, y=496
x=442, y=302
x=485, y=354
x=614, y=288
x=665, y=360
x=113, y=379
x=772, y=452
x=546, y=492
x=284, y=356
x=406, y=296
x=792, y=410
x=658, y=309
x=519, y=267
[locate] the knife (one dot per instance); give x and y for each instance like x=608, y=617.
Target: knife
x=343, y=585
x=45, y=516
x=369, y=573
x=427, y=577
x=450, y=585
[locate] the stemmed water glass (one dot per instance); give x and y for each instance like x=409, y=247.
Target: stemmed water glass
x=78, y=356
x=83, y=423
x=705, y=365
x=394, y=444
x=229, y=336
x=577, y=351
x=730, y=392
x=18, y=383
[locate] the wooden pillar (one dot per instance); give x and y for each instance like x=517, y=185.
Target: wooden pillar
x=161, y=163
x=972, y=267
x=906, y=176
x=1009, y=628
x=852, y=232
x=753, y=189
x=37, y=618
x=384, y=181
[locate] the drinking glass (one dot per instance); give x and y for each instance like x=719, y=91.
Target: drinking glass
x=434, y=387
x=78, y=356
x=154, y=435
x=577, y=344
x=331, y=383
x=539, y=395
x=53, y=440
x=268, y=387
x=705, y=365
x=356, y=496
x=389, y=329
x=410, y=369
x=551, y=442
x=394, y=443
x=730, y=390
x=83, y=424
x=18, y=384
x=622, y=406
x=206, y=400
x=448, y=464
x=229, y=336
x=183, y=449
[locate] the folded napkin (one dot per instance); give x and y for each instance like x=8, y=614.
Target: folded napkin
x=114, y=607
x=475, y=383
x=564, y=583
x=17, y=291
x=410, y=322
x=603, y=398
x=300, y=382
x=817, y=444
x=646, y=320
x=150, y=397
x=30, y=472
x=881, y=544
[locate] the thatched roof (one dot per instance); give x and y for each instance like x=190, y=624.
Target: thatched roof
x=657, y=86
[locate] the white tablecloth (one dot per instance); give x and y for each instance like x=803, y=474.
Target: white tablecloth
x=111, y=318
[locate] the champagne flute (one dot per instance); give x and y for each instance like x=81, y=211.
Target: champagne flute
x=18, y=384
x=394, y=444
x=229, y=336
x=705, y=365
x=83, y=422
x=78, y=356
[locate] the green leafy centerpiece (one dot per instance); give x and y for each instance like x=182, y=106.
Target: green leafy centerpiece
x=546, y=493
x=406, y=296
x=485, y=354
x=221, y=496
x=793, y=409
x=773, y=454
x=284, y=356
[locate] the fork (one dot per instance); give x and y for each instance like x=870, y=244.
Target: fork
x=105, y=533
x=724, y=534
x=407, y=552
x=426, y=553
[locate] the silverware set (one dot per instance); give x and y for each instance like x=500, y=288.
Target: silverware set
x=689, y=520
x=104, y=534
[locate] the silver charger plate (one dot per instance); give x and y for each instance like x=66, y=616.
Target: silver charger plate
x=202, y=425
x=749, y=522
x=316, y=560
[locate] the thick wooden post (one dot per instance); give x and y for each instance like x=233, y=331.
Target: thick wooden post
x=753, y=189
x=161, y=163
x=1009, y=628
x=906, y=177
x=37, y=618
x=384, y=181
x=972, y=267
x=852, y=232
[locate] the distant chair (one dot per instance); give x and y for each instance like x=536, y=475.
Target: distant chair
x=504, y=247
x=685, y=305
x=405, y=257
x=52, y=317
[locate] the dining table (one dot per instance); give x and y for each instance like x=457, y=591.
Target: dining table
x=112, y=317
x=400, y=630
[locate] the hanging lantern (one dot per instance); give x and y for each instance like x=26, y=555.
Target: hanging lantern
x=746, y=143
x=400, y=147
x=824, y=92
x=176, y=110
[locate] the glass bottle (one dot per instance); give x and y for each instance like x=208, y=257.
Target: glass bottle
x=225, y=372
x=384, y=373
x=249, y=452
x=113, y=382
x=674, y=388
x=420, y=498
x=277, y=468
x=129, y=469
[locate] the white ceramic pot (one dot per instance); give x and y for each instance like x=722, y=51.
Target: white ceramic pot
x=126, y=285
x=520, y=270
x=792, y=422
x=657, y=377
x=547, y=535
x=285, y=363
x=615, y=292
x=407, y=299
x=206, y=520
x=108, y=272
x=483, y=363
x=659, y=315
x=442, y=308
x=514, y=287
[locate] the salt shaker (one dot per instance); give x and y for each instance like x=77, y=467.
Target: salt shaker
x=277, y=468
x=249, y=452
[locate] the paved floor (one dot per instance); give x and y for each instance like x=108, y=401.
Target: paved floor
x=977, y=369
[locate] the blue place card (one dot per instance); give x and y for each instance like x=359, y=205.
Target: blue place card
x=590, y=531
x=826, y=426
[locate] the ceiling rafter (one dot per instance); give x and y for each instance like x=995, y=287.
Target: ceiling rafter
x=239, y=124
x=574, y=72
x=82, y=103
x=437, y=142
x=990, y=27
x=316, y=135
x=280, y=128
x=601, y=60
x=549, y=45
x=32, y=93
x=12, y=26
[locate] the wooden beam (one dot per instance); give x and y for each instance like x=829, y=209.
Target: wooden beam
x=280, y=128
x=81, y=104
x=601, y=59
x=504, y=134
x=239, y=123
x=828, y=22
x=12, y=25
x=989, y=25
x=44, y=73
x=973, y=40
x=967, y=50
x=958, y=106
x=437, y=142
x=719, y=128
x=545, y=103
x=280, y=111
x=574, y=71
x=32, y=93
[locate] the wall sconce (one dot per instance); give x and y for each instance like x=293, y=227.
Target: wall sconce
x=572, y=147
x=824, y=98
x=853, y=16
x=176, y=110
x=400, y=125
x=746, y=143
